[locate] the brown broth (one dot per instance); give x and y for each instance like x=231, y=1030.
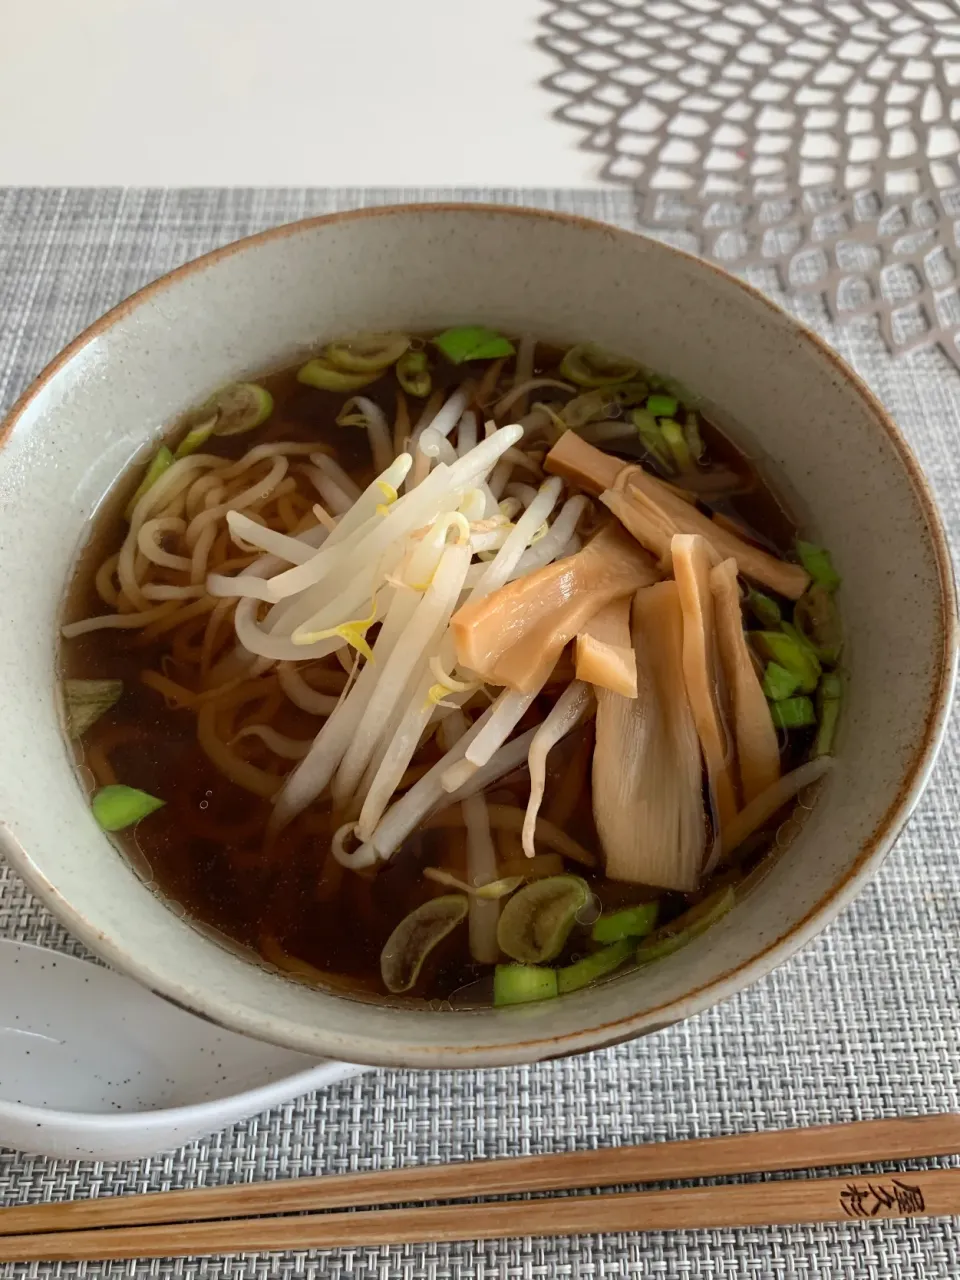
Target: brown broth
x=204, y=852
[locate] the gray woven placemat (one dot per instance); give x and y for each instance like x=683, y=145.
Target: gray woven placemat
x=864, y=1023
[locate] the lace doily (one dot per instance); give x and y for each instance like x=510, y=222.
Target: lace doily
x=809, y=146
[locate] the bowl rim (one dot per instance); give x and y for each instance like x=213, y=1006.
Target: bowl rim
x=868, y=858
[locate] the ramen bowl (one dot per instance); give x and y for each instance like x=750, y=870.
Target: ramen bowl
x=827, y=445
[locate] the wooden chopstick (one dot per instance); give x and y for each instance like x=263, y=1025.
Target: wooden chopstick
x=856, y=1142
x=777, y=1150
x=920, y=1194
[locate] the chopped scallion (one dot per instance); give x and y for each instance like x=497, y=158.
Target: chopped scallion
x=196, y=436
x=816, y=560
x=523, y=983
x=472, y=342
x=580, y=974
x=590, y=366
x=324, y=376
x=662, y=406
x=817, y=621
x=161, y=461
x=652, y=437
x=793, y=713
x=691, y=432
x=764, y=608
x=831, y=686
x=671, y=387
x=366, y=352
x=791, y=653
x=240, y=407
x=116, y=807
x=536, y=922
x=686, y=927
x=589, y=406
x=677, y=444
x=413, y=374
x=628, y=394
x=829, y=697
x=632, y=922
x=799, y=639
x=407, y=948
x=779, y=683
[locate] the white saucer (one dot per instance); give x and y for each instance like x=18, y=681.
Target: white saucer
x=94, y=1066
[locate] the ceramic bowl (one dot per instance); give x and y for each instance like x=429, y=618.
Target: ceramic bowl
x=94, y=1067
x=828, y=445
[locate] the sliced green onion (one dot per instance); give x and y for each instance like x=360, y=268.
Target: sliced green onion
x=522, y=983
x=196, y=437
x=652, y=437
x=366, y=352
x=234, y=409
x=588, y=366
x=87, y=700
x=686, y=927
x=792, y=654
x=816, y=619
x=793, y=713
x=691, y=432
x=662, y=406
x=324, y=376
x=239, y=406
x=586, y=407
x=632, y=922
x=472, y=342
x=413, y=374
x=116, y=807
x=799, y=639
x=829, y=697
x=779, y=683
x=536, y=922
x=764, y=608
x=816, y=560
x=677, y=444
x=159, y=463
x=415, y=937
x=671, y=387
x=574, y=976
x=629, y=393
x=831, y=686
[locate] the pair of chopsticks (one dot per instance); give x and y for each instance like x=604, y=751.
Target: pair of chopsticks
x=230, y=1219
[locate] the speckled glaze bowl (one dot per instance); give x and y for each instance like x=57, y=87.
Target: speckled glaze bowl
x=829, y=447
x=93, y=1067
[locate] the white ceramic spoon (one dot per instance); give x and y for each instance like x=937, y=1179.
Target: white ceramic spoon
x=94, y=1066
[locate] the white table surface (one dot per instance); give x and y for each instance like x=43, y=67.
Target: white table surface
x=326, y=93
